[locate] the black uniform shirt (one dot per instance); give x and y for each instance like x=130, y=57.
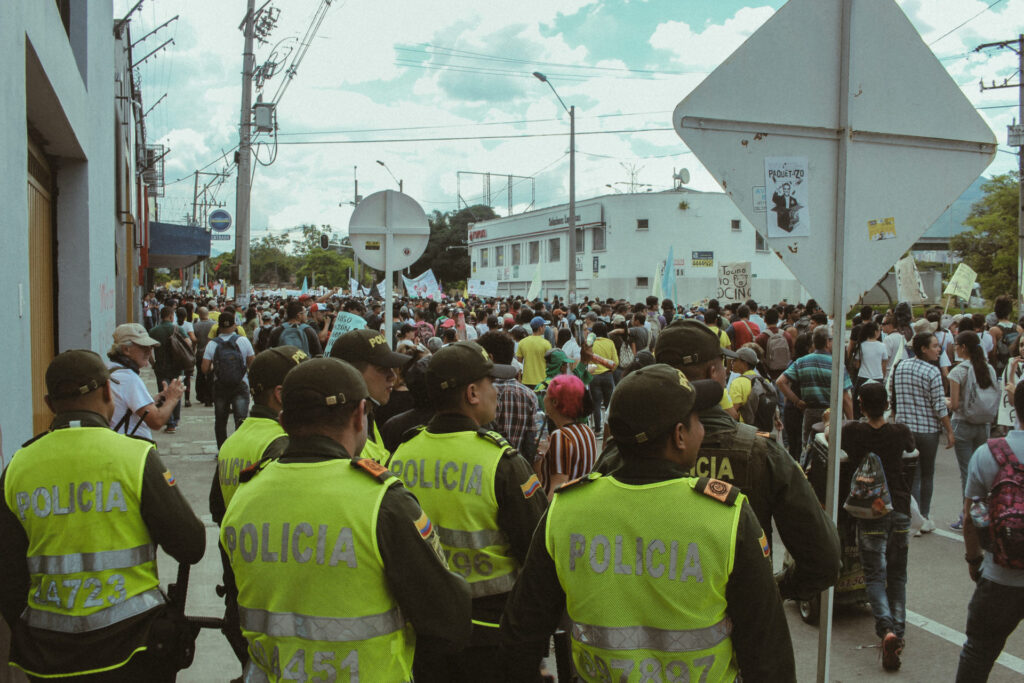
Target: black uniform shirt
x=760, y=634
x=171, y=524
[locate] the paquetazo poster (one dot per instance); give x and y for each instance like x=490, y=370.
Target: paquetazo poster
x=785, y=180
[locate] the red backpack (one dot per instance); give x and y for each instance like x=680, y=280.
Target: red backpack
x=1006, y=507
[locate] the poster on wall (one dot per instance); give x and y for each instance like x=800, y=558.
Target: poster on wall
x=786, y=179
x=733, y=281
x=483, y=288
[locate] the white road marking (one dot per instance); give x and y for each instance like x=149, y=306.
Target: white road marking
x=1015, y=664
x=949, y=534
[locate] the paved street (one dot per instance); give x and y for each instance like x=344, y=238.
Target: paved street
x=938, y=589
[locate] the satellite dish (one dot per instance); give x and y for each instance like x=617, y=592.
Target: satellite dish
x=683, y=176
x=389, y=213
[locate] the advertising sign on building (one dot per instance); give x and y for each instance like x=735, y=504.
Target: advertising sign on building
x=703, y=259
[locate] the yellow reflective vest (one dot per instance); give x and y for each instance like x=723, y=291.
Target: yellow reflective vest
x=374, y=447
x=644, y=569
x=243, y=448
x=313, y=600
x=452, y=476
x=77, y=493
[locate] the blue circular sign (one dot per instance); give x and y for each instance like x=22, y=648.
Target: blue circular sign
x=220, y=220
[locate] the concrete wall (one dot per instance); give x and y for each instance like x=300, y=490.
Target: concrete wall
x=62, y=88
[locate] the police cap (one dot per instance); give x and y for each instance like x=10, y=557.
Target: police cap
x=322, y=382
x=269, y=367
x=651, y=401
x=463, y=363
x=75, y=373
x=367, y=346
x=688, y=342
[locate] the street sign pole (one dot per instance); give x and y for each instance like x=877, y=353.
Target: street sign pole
x=389, y=283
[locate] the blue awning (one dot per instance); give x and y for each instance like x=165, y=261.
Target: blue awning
x=177, y=246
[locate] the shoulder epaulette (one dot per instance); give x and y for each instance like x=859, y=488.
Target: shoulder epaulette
x=408, y=434
x=251, y=470
x=35, y=438
x=508, y=450
x=578, y=481
x=375, y=470
x=717, y=489
x=766, y=435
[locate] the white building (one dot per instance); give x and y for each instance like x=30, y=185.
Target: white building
x=74, y=207
x=621, y=242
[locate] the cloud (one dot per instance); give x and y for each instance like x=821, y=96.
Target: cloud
x=707, y=48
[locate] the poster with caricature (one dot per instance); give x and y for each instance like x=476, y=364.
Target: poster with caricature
x=785, y=178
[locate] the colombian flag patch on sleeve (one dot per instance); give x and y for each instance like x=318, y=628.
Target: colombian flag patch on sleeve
x=531, y=486
x=424, y=526
x=169, y=478
x=764, y=544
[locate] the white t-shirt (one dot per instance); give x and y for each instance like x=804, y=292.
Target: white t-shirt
x=986, y=342
x=130, y=394
x=244, y=345
x=186, y=328
x=892, y=344
x=872, y=353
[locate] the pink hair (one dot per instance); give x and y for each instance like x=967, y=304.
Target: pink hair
x=568, y=391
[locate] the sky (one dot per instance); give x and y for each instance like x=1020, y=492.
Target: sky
x=432, y=89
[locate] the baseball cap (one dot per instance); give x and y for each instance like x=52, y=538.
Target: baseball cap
x=75, y=373
x=367, y=346
x=748, y=356
x=314, y=307
x=322, y=382
x=134, y=333
x=537, y=323
x=688, y=342
x=267, y=316
x=269, y=367
x=463, y=363
x=651, y=401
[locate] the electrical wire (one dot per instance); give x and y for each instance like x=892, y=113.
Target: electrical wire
x=472, y=137
x=961, y=25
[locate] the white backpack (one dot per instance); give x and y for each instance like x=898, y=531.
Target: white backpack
x=980, y=406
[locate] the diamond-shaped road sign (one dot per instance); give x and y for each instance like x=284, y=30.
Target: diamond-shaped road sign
x=900, y=141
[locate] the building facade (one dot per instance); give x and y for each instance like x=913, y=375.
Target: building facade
x=70, y=181
x=622, y=242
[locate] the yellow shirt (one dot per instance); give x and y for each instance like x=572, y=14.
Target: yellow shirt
x=739, y=392
x=531, y=352
x=605, y=347
x=723, y=338
x=213, y=331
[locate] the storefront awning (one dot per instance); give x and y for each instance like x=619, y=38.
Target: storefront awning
x=177, y=246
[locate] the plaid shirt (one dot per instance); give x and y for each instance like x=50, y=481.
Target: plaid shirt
x=811, y=376
x=920, y=400
x=517, y=405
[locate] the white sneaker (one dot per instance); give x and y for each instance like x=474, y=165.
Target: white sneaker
x=928, y=526
x=917, y=532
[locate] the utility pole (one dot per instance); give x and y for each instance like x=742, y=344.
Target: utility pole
x=195, y=197
x=244, y=180
x=1015, y=134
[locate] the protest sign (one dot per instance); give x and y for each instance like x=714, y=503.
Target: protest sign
x=483, y=288
x=733, y=281
x=422, y=287
x=345, y=322
x=962, y=282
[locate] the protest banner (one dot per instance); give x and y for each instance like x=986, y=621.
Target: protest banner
x=733, y=281
x=909, y=287
x=483, y=288
x=423, y=286
x=345, y=322
x=962, y=282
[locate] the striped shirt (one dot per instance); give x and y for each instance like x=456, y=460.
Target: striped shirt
x=813, y=375
x=572, y=452
x=514, y=418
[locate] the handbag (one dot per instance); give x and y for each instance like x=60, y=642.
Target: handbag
x=869, y=492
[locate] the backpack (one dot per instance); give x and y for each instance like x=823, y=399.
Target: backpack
x=228, y=364
x=869, y=492
x=181, y=352
x=1006, y=507
x=980, y=406
x=776, y=353
x=263, y=338
x=294, y=335
x=761, y=405
x=1004, y=347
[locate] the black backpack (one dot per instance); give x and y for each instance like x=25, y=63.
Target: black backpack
x=228, y=364
x=1004, y=347
x=762, y=404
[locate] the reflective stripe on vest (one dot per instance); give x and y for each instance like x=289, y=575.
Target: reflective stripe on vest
x=326, y=629
x=475, y=540
x=91, y=562
x=68, y=623
x=485, y=587
x=650, y=638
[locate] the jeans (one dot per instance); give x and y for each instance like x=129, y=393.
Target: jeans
x=993, y=614
x=601, y=388
x=225, y=401
x=924, y=475
x=882, y=544
x=176, y=415
x=968, y=437
x=793, y=421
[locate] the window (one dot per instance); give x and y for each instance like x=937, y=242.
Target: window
x=483, y=257
x=581, y=240
x=641, y=282
x=534, y=252
x=598, y=237
x=736, y=225
x=517, y=254
x=499, y=256
x=641, y=224
x=554, y=250
x=759, y=242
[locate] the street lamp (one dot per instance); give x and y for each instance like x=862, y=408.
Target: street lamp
x=572, y=185
x=391, y=174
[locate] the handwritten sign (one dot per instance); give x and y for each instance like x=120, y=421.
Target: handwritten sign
x=733, y=281
x=345, y=322
x=1007, y=415
x=962, y=282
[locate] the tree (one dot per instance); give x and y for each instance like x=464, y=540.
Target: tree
x=447, y=252
x=990, y=247
x=219, y=267
x=325, y=267
x=269, y=260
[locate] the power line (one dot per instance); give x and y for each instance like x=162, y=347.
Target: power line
x=471, y=137
x=960, y=26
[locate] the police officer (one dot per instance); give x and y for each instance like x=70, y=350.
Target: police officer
x=85, y=508
x=483, y=496
x=736, y=453
x=368, y=351
x=339, y=571
x=662, y=575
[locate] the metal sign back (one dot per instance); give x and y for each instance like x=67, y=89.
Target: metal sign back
x=383, y=213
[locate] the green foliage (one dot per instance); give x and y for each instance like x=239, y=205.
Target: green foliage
x=269, y=261
x=990, y=247
x=450, y=230
x=324, y=267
